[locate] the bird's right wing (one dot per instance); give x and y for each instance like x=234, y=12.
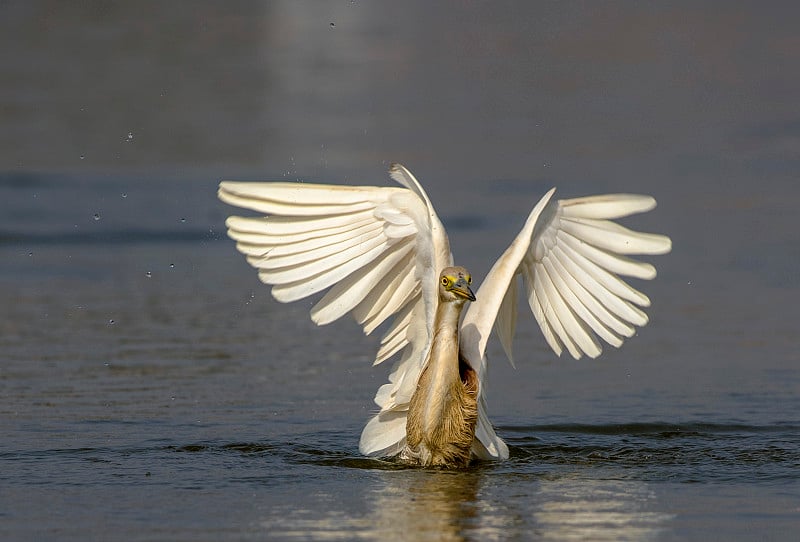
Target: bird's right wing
x=377, y=250
x=570, y=255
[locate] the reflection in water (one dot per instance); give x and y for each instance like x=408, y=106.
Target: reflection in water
x=405, y=505
x=598, y=510
x=478, y=505
x=426, y=505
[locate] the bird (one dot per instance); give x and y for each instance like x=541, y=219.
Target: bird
x=381, y=253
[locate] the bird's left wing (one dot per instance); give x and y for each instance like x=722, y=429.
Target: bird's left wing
x=377, y=249
x=570, y=255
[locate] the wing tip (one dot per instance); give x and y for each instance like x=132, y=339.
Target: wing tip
x=401, y=175
x=224, y=193
x=667, y=244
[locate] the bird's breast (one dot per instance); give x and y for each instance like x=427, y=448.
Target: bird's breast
x=443, y=410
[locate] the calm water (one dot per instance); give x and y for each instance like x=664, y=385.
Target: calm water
x=151, y=389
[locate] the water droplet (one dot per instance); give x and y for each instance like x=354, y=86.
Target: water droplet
x=111, y=322
x=30, y=253
x=172, y=266
x=124, y=195
x=183, y=220
x=129, y=137
x=97, y=216
x=333, y=24
x=149, y=274
x=83, y=157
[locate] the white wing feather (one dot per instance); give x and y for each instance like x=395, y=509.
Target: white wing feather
x=349, y=240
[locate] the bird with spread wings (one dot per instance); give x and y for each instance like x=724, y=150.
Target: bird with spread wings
x=382, y=252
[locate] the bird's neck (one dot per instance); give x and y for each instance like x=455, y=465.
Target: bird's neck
x=444, y=348
x=442, y=368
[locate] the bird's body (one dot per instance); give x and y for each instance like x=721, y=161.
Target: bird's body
x=383, y=252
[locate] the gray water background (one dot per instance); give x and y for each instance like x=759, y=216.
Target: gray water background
x=151, y=389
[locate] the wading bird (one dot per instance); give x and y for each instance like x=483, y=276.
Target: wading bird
x=383, y=252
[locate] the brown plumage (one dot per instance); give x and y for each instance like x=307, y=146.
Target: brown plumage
x=444, y=409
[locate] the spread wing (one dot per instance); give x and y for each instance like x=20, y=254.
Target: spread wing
x=570, y=255
x=377, y=250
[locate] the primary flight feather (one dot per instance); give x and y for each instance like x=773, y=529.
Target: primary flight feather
x=382, y=252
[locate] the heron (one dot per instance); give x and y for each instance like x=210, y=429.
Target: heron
x=381, y=252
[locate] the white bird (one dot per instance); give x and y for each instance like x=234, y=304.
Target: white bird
x=382, y=252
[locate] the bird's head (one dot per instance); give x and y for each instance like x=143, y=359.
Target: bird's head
x=454, y=285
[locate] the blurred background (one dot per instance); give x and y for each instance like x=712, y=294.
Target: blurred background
x=126, y=307
x=119, y=118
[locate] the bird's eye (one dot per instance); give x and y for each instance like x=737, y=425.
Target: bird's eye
x=469, y=280
x=445, y=281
